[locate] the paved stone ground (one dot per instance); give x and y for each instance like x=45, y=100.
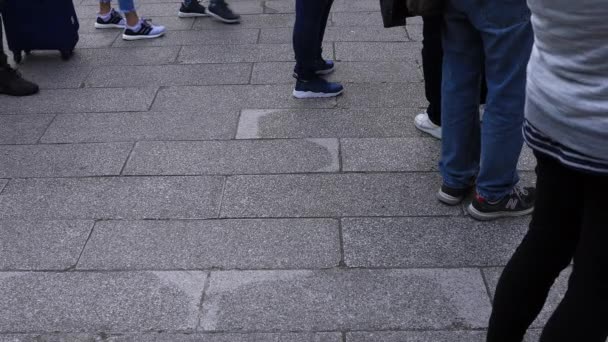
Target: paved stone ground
x=172, y=190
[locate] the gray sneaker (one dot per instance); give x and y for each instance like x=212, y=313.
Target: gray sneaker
x=519, y=202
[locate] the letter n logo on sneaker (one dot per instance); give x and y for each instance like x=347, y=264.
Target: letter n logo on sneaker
x=512, y=204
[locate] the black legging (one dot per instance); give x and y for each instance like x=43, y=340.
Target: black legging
x=570, y=221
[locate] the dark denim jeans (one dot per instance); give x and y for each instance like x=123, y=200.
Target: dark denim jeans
x=308, y=32
x=497, y=34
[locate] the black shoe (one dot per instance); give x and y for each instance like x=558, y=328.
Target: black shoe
x=519, y=202
x=452, y=196
x=315, y=88
x=11, y=83
x=222, y=12
x=195, y=9
x=115, y=21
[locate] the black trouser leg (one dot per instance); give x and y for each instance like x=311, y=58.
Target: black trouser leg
x=311, y=18
x=583, y=313
x=3, y=58
x=324, y=19
x=432, y=61
x=546, y=250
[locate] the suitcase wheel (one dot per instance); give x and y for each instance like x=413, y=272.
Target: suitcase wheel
x=17, y=57
x=67, y=54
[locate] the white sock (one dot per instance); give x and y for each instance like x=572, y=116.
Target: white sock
x=106, y=17
x=136, y=27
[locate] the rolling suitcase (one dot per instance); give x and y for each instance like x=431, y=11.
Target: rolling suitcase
x=40, y=25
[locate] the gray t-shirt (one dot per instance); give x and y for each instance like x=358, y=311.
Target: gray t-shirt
x=567, y=88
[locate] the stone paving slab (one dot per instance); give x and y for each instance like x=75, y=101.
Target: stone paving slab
x=430, y=241
x=356, y=19
x=42, y=245
x=177, y=38
x=53, y=101
x=417, y=336
x=333, y=195
x=384, y=95
x=347, y=72
x=112, y=197
x=22, y=161
x=243, y=53
x=392, y=154
x=378, y=52
x=403, y=154
x=3, y=183
x=97, y=40
x=176, y=337
x=106, y=57
x=100, y=127
x=171, y=75
x=555, y=296
x=23, y=129
x=345, y=300
x=118, y=301
x=341, y=123
x=232, y=97
x=224, y=244
x=248, y=21
x=338, y=34
x=234, y=157
x=56, y=77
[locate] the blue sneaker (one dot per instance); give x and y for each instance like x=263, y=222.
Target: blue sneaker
x=325, y=67
x=318, y=87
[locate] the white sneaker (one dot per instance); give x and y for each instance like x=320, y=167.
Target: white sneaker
x=425, y=124
x=114, y=20
x=144, y=31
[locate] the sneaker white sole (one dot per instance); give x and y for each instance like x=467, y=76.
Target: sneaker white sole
x=434, y=132
x=131, y=38
x=312, y=95
x=478, y=215
x=191, y=15
x=326, y=72
x=224, y=20
x=109, y=26
x=448, y=199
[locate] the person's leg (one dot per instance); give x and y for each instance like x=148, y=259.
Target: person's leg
x=324, y=18
x=137, y=28
x=507, y=36
x=546, y=250
x=460, y=104
x=583, y=313
x=11, y=82
x=432, y=60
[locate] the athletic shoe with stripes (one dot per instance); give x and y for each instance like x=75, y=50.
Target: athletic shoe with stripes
x=115, y=21
x=519, y=202
x=145, y=30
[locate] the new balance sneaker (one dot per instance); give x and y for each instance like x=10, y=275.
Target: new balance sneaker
x=112, y=20
x=424, y=123
x=192, y=10
x=318, y=87
x=11, y=83
x=519, y=202
x=143, y=30
x=452, y=196
x=220, y=11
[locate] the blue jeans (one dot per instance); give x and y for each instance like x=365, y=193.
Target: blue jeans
x=124, y=5
x=496, y=34
x=308, y=32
